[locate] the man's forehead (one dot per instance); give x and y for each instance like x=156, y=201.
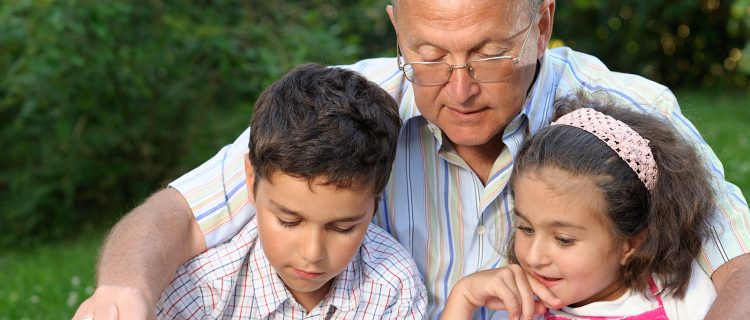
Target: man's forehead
x=429, y=22
x=457, y=14
x=503, y=7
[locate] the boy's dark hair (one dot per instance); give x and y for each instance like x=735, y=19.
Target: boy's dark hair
x=327, y=123
x=674, y=216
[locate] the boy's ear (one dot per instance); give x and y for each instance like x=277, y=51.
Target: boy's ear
x=631, y=245
x=250, y=178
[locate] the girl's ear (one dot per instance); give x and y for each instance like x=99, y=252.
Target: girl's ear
x=250, y=178
x=631, y=245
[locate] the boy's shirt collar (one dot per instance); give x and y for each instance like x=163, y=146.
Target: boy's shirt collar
x=271, y=293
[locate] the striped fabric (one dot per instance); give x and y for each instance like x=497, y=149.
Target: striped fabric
x=234, y=280
x=438, y=208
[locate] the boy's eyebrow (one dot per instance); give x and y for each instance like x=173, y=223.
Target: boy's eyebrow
x=554, y=223
x=278, y=207
x=353, y=219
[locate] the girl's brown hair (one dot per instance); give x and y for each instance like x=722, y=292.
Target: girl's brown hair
x=673, y=217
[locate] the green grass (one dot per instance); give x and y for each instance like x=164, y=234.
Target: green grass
x=723, y=118
x=50, y=281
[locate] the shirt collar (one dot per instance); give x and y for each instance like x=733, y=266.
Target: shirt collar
x=271, y=292
x=342, y=295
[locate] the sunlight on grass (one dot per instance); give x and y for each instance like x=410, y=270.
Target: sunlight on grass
x=50, y=281
x=723, y=118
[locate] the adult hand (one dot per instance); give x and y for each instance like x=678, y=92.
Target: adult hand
x=111, y=302
x=508, y=288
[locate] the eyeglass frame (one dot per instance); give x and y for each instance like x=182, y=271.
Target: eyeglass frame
x=401, y=61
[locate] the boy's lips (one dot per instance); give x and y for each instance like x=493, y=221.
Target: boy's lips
x=306, y=274
x=547, y=281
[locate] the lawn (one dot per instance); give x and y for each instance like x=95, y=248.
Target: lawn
x=724, y=120
x=49, y=282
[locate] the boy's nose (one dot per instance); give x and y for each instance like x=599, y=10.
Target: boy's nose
x=313, y=247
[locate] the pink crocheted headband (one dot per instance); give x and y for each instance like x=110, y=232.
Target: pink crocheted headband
x=628, y=144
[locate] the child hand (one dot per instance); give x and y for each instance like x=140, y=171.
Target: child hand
x=508, y=288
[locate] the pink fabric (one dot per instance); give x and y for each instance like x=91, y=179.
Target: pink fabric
x=628, y=144
x=655, y=314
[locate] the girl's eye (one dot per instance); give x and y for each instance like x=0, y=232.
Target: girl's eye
x=526, y=230
x=287, y=224
x=342, y=230
x=566, y=242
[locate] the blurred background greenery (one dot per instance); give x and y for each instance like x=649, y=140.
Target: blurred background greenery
x=104, y=102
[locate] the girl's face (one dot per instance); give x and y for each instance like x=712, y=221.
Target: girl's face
x=564, y=238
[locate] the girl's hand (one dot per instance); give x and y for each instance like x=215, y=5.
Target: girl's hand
x=508, y=288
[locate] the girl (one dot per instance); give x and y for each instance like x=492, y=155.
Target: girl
x=611, y=207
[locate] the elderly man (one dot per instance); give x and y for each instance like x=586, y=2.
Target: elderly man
x=472, y=78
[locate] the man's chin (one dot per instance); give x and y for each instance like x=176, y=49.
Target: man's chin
x=475, y=139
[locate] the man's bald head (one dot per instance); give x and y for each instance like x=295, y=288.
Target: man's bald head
x=533, y=6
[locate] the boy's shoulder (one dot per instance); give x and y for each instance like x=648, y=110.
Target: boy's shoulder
x=383, y=260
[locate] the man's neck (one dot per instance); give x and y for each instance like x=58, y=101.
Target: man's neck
x=481, y=158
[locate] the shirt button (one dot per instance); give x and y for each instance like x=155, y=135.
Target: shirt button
x=481, y=229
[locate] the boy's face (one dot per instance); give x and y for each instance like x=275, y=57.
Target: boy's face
x=309, y=232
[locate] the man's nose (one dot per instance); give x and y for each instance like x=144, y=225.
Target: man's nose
x=461, y=85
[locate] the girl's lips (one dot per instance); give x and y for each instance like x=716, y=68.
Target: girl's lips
x=546, y=281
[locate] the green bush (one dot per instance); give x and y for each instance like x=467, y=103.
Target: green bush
x=678, y=43
x=101, y=100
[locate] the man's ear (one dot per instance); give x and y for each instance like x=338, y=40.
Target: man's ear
x=250, y=178
x=392, y=15
x=546, y=18
x=631, y=245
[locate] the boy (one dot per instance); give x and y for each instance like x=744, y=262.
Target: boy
x=322, y=144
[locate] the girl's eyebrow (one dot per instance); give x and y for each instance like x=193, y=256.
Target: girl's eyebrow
x=518, y=214
x=565, y=224
x=554, y=223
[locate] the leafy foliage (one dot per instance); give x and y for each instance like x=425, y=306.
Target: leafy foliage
x=101, y=99
x=101, y=102
x=678, y=43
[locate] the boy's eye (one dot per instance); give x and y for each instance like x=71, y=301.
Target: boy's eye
x=342, y=229
x=526, y=230
x=565, y=242
x=287, y=224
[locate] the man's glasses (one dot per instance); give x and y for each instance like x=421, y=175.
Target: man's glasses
x=438, y=73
